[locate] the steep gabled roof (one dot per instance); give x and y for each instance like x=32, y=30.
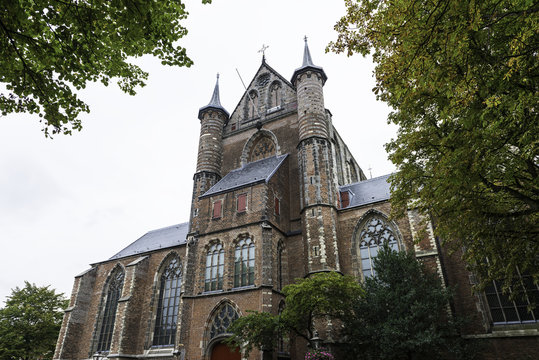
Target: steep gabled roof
x=249, y=174
x=156, y=239
x=260, y=70
x=368, y=191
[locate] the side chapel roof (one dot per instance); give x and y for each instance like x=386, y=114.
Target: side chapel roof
x=368, y=191
x=156, y=239
x=249, y=174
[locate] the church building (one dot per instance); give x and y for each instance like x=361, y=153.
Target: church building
x=277, y=196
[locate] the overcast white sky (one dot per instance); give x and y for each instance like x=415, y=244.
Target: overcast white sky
x=75, y=200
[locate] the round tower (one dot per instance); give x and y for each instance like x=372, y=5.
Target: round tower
x=210, y=147
x=309, y=80
x=318, y=190
x=210, y=151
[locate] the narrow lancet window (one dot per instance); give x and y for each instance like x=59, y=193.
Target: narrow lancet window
x=112, y=293
x=168, y=304
x=215, y=260
x=244, y=263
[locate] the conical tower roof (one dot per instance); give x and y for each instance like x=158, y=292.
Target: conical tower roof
x=215, y=102
x=308, y=65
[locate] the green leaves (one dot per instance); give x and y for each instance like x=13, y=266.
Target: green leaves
x=404, y=313
x=462, y=78
x=30, y=322
x=309, y=300
x=49, y=48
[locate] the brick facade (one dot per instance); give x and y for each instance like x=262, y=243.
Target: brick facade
x=295, y=219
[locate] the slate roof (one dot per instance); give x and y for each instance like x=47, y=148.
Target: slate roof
x=308, y=65
x=249, y=174
x=215, y=102
x=156, y=239
x=368, y=191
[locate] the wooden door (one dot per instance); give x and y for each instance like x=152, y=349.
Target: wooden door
x=221, y=351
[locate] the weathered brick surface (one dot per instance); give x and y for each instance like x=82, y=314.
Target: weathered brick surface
x=309, y=233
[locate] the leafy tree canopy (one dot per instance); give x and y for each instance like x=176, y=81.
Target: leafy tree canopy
x=50, y=48
x=30, y=323
x=318, y=297
x=404, y=314
x=462, y=78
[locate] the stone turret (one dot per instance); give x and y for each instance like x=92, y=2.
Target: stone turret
x=213, y=118
x=210, y=147
x=318, y=190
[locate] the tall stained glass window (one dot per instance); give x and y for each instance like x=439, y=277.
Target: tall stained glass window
x=112, y=293
x=167, y=307
x=244, y=263
x=215, y=266
x=374, y=234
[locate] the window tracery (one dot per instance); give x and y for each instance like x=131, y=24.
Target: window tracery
x=169, y=301
x=111, y=296
x=215, y=260
x=263, y=148
x=244, y=263
x=375, y=233
x=222, y=319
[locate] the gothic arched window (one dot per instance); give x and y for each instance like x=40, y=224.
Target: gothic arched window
x=222, y=319
x=215, y=266
x=244, y=263
x=280, y=266
x=283, y=347
x=252, y=105
x=275, y=95
x=111, y=293
x=169, y=300
x=375, y=232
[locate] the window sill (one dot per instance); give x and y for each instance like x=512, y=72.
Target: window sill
x=209, y=292
x=516, y=330
x=237, y=288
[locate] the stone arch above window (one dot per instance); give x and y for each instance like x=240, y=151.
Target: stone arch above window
x=275, y=95
x=112, y=291
x=168, y=301
x=261, y=145
x=373, y=231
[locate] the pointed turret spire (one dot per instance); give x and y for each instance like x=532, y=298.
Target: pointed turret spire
x=215, y=102
x=307, y=60
x=308, y=64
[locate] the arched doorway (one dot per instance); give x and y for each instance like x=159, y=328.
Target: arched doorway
x=221, y=351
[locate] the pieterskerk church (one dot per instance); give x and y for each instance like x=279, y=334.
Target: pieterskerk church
x=277, y=196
